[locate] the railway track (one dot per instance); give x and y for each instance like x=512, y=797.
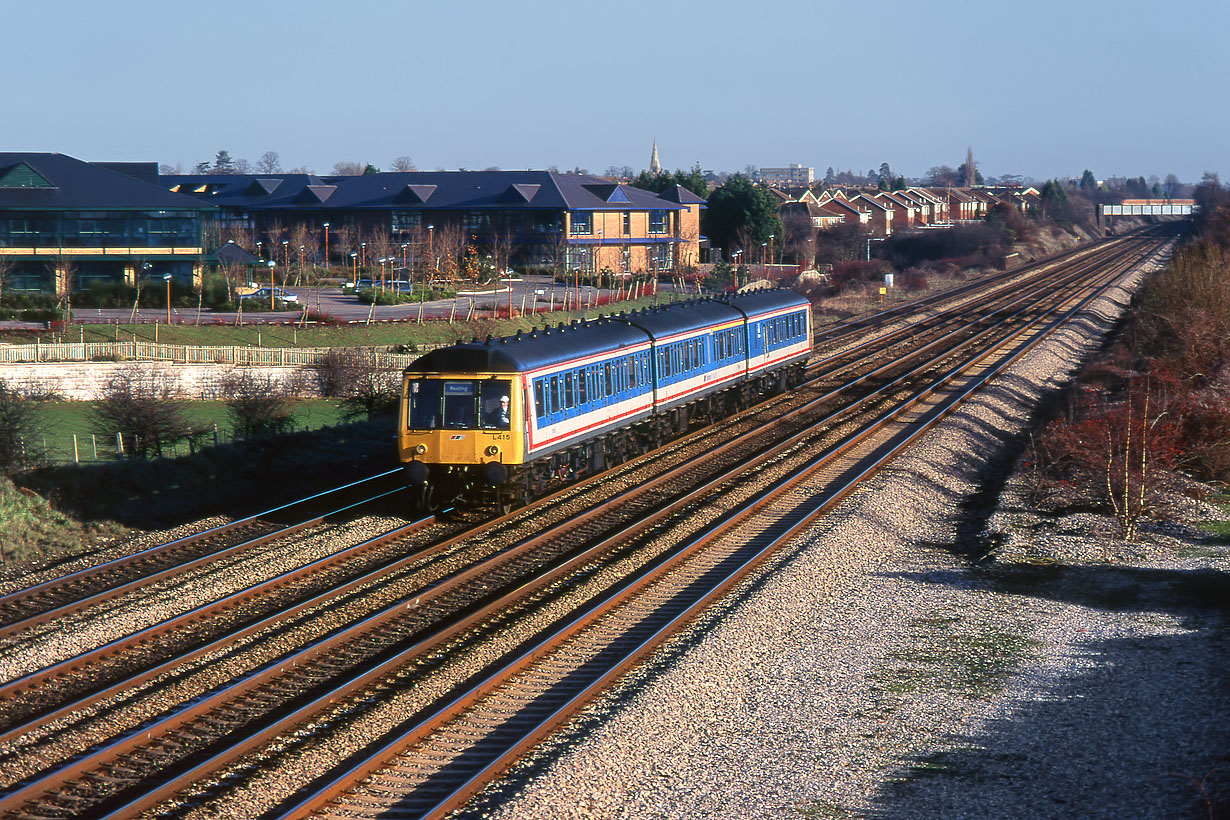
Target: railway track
x=333, y=678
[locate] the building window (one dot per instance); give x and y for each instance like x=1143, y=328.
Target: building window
x=579, y=258
x=474, y=220
x=627, y=223
x=659, y=221
x=625, y=259
x=582, y=224
x=661, y=257
x=406, y=221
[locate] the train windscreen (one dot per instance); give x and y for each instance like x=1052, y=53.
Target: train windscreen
x=458, y=404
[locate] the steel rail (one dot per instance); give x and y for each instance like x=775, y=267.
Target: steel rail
x=108, y=569
x=380, y=758
x=950, y=353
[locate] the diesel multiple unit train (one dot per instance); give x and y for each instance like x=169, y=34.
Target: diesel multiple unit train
x=503, y=419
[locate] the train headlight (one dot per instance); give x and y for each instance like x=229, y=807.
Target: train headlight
x=492, y=450
x=420, y=449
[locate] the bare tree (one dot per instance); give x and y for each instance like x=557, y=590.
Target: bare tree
x=6, y=270
x=449, y=243
x=257, y=404
x=302, y=247
x=403, y=164
x=67, y=271
x=144, y=409
x=354, y=376
x=348, y=169
x=799, y=243
x=269, y=163
x=18, y=423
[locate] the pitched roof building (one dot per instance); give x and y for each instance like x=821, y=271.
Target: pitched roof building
x=65, y=223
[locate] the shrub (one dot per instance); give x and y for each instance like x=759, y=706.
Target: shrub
x=257, y=404
x=18, y=424
x=143, y=409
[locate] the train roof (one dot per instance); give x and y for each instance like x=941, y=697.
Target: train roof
x=680, y=317
x=756, y=302
x=543, y=348
x=530, y=351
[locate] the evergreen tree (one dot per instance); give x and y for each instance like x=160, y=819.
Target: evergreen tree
x=830, y=177
x=223, y=164
x=1088, y=183
x=740, y=210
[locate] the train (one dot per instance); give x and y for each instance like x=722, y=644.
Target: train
x=503, y=420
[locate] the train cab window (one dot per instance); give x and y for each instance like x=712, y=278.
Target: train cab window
x=424, y=397
x=496, y=404
x=459, y=403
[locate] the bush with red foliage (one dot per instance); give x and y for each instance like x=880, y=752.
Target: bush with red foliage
x=846, y=274
x=1115, y=454
x=913, y=280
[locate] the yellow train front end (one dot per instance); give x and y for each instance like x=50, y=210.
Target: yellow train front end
x=459, y=433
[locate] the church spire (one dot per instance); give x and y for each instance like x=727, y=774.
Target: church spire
x=655, y=167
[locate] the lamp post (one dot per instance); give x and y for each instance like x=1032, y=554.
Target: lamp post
x=354, y=269
x=431, y=245
x=299, y=278
x=271, y=266
x=258, y=249
x=326, y=248
x=363, y=255
x=167, y=277
x=285, y=258
x=771, y=258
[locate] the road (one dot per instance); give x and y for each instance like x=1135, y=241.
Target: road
x=330, y=301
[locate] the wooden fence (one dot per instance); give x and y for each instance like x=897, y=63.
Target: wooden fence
x=184, y=354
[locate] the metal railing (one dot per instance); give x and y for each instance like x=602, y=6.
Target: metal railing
x=184, y=354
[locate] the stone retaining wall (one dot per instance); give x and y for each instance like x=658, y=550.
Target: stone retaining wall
x=84, y=381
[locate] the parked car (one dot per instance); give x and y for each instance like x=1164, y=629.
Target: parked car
x=262, y=295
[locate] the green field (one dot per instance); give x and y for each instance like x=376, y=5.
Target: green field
x=59, y=421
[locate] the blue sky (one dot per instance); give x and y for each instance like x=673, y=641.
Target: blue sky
x=1042, y=88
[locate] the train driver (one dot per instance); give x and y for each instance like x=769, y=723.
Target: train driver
x=498, y=417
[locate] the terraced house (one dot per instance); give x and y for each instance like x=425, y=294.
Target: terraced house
x=65, y=223
x=529, y=218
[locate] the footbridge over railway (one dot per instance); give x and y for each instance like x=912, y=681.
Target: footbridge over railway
x=1148, y=207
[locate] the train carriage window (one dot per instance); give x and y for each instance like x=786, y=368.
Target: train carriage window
x=540, y=406
x=583, y=386
x=554, y=394
x=570, y=395
x=610, y=381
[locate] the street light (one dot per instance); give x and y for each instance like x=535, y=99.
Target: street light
x=431, y=246
x=363, y=254
x=354, y=269
x=285, y=257
x=167, y=277
x=326, y=248
x=271, y=266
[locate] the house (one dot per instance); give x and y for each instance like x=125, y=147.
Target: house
x=66, y=223
x=904, y=211
x=880, y=217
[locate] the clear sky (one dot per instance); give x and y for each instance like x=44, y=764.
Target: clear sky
x=1041, y=88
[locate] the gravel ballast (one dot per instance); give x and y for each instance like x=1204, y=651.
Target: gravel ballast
x=876, y=670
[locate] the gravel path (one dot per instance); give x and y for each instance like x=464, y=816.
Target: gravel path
x=875, y=671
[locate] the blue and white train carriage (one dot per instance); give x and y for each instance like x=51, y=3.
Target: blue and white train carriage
x=517, y=413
